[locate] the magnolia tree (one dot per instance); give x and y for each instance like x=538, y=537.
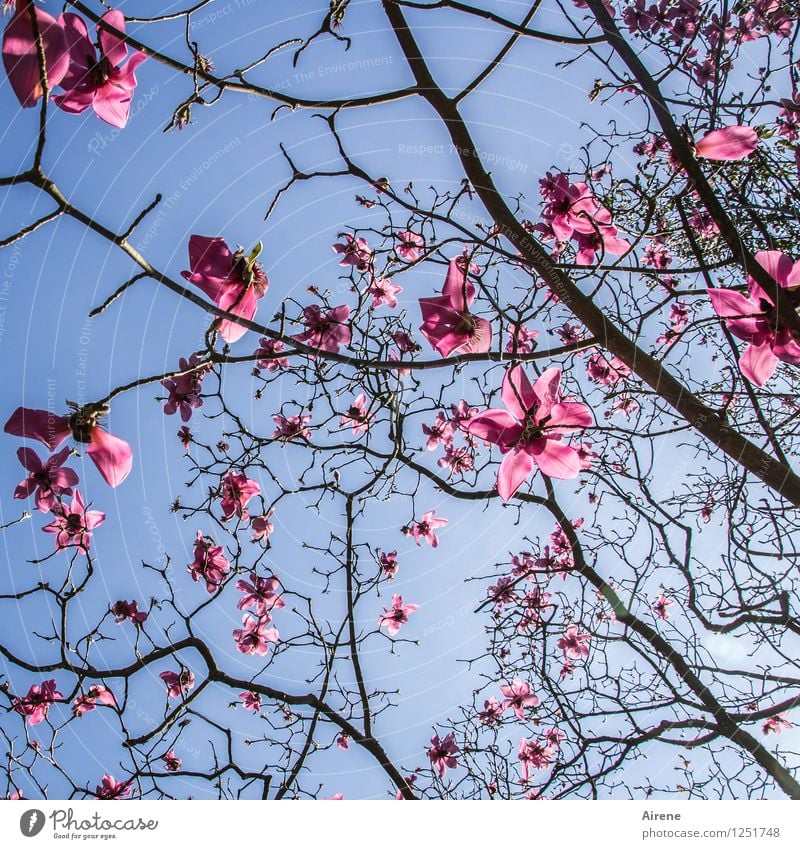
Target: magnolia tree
x=568, y=379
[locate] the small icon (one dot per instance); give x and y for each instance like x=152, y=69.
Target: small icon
x=31, y=822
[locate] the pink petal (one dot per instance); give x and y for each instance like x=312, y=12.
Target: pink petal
x=513, y=472
x=556, y=459
x=495, y=426
x=21, y=59
x=38, y=424
x=730, y=143
x=210, y=256
x=112, y=456
x=546, y=390
x=517, y=393
x=780, y=267
x=454, y=289
x=730, y=304
x=29, y=459
x=246, y=308
x=758, y=363
x=112, y=105
x=568, y=416
x=113, y=46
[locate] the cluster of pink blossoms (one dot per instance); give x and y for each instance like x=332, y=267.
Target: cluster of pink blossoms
x=260, y=597
x=100, y=76
x=184, y=390
x=538, y=754
x=456, y=459
x=678, y=321
x=572, y=213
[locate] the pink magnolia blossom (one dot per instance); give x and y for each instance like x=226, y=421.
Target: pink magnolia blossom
x=128, y=610
x=172, y=763
x=446, y=320
x=397, y=615
x=327, y=332
x=261, y=526
x=553, y=737
x=383, y=291
x=185, y=436
x=209, y=564
x=233, y=281
x=112, y=455
x=267, y=350
x=73, y=525
x=503, y=592
x=343, y=742
x=106, y=84
x=237, y=490
x=662, y=605
x=574, y=644
x=532, y=604
x=110, y=788
x=457, y=460
x=255, y=636
x=532, y=753
x=728, y=144
x=569, y=334
x=47, y=479
x=776, y=724
x=754, y=319
x=250, y=701
x=425, y=528
x=95, y=695
x=607, y=372
x=178, y=683
x=586, y=455
x=410, y=779
x=572, y=211
x=442, y=753
x=531, y=428
x=492, y=712
x=441, y=431
x=184, y=390
x=262, y=594
x=389, y=564
x=21, y=57
x=604, y=240
x=461, y=414
x=292, y=427
x=37, y=703
x=357, y=416
x=354, y=252
x=410, y=245
x=518, y=696
x=520, y=339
